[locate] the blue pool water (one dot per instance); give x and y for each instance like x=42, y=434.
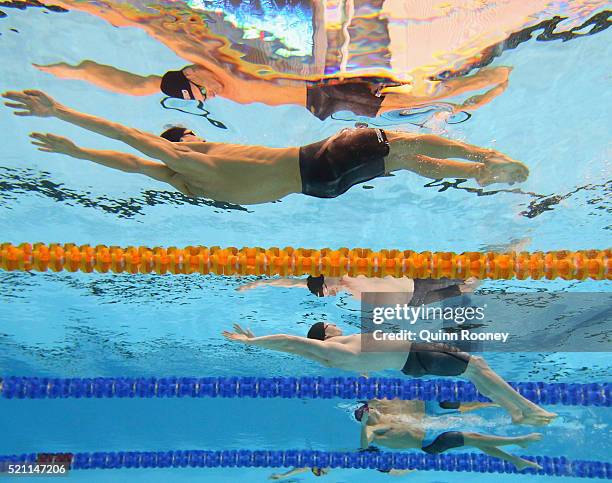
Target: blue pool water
x=553, y=117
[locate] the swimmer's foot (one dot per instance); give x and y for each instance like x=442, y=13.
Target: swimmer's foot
x=501, y=169
x=534, y=417
x=526, y=440
x=522, y=464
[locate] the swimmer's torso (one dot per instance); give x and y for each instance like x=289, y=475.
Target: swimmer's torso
x=272, y=92
x=237, y=173
x=399, y=436
x=385, y=355
x=396, y=424
x=360, y=284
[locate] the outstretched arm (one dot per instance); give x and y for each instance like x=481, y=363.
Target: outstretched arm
x=286, y=282
x=313, y=349
x=366, y=432
x=292, y=472
x=37, y=103
x=106, y=77
x=129, y=163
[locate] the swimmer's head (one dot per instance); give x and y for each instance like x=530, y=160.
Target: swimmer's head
x=321, y=287
x=319, y=471
x=360, y=410
x=191, y=83
x=178, y=134
x=323, y=331
x=316, y=285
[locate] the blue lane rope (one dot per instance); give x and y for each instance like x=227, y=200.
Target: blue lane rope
x=383, y=460
x=592, y=394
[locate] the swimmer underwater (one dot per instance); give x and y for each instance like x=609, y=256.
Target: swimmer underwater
x=407, y=424
x=398, y=424
x=323, y=98
x=209, y=74
x=257, y=174
x=326, y=344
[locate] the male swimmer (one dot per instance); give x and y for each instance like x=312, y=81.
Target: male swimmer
x=422, y=290
x=258, y=174
x=325, y=471
x=211, y=73
x=398, y=424
x=326, y=345
x=361, y=96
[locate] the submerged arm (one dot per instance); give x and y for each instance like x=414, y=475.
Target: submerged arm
x=128, y=163
x=37, y=103
x=286, y=282
x=292, y=472
x=106, y=77
x=145, y=142
x=365, y=437
x=292, y=344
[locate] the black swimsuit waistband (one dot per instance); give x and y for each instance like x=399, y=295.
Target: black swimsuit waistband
x=330, y=167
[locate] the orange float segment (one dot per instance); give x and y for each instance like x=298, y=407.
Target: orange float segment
x=568, y=265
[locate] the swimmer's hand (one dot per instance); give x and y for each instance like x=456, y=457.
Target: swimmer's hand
x=241, y=335
x=498, y=168
x=250, y=285
x=51, y=143
x=31, y=103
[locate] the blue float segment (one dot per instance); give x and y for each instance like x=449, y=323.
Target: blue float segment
x=384, y=460
x=591, y=394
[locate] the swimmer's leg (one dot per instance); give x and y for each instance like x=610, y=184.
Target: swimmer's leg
x=484, y=78
x=474, y=406
x=520, y=463
x=499, y=391
x=494, y=78
x=485, y=440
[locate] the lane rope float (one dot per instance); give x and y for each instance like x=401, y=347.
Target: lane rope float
x=382, y=460
x=573, y=394
x=565, y=264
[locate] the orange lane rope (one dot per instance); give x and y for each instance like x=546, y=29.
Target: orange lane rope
x=568, y=265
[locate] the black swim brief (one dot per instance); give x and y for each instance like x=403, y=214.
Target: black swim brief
x=443, y=442
x=436, y=360
x=330, y=167
x=356, y=96
x=430, y=290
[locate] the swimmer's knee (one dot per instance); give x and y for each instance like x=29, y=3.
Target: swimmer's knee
x=478, y=362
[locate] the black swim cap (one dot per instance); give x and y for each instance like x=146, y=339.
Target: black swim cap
x=175, y=84
x=315, y=285
x=317, y=471
x=360, y=410
x=317, y=331
x=174, y=134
